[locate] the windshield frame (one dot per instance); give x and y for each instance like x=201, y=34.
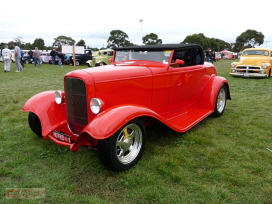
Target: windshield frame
x=160, y=56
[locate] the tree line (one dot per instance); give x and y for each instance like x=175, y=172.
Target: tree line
x=248, y=39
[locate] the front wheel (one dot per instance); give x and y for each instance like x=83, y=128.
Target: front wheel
x=35, y=124
x=221, y=101
x=101, y=64
x=77, y=63
x=124, y=149
x=269, y=74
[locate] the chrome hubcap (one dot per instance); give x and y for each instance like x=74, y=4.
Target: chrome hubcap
x=221, y=100
x=129, y=143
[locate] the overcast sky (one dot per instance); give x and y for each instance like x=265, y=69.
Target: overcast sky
x=171, y=20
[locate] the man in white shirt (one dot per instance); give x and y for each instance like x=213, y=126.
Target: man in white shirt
x=6, y=55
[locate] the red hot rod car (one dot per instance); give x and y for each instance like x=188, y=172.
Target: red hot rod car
x=109, y=107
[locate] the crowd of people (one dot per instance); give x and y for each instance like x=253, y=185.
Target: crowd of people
x=6, y=55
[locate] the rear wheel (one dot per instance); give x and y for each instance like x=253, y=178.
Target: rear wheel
x=124, y=149
x=221, y=101
x=35, y=124
x=77, y=63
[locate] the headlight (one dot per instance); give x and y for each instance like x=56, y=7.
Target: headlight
x=232, y=64
x=58, y=97
x=265, y=66
x=95, y=105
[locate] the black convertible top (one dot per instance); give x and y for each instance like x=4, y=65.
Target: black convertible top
x=159, y=47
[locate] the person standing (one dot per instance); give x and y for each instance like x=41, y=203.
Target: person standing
x=208, y=55
x=6, y=55
x=37, y=56
x=212, y=57
x=17, y=57
x=22, y=55
x=60, y=58
x=30, y=54
x=53, y=54
x=3, y=47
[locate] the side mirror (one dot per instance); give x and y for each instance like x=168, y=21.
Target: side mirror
x=179, y=62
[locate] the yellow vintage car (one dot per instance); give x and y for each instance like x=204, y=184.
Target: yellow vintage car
x=254, y=62
x=101, y=58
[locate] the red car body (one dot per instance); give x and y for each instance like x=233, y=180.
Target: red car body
x=174, y=91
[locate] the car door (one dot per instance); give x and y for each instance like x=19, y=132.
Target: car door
x=185, y=80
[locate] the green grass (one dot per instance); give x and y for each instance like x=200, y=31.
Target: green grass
x=220, y=160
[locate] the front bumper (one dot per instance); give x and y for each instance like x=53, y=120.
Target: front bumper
x=249, y=75
x=247, y=71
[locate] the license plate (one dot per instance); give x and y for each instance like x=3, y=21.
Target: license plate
x=62, y=137
x=246, y=75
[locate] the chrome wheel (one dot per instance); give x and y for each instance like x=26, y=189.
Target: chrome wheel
x=221, y=101
x=129, y=143
x=123, y=149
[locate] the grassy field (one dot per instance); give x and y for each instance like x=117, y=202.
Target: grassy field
x=220, y=160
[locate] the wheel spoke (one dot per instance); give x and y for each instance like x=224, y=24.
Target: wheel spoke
x=120, y=152
x=120, y=144
x=126, y=133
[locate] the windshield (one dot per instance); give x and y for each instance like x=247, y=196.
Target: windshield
x=157, y=56
x=255, y=52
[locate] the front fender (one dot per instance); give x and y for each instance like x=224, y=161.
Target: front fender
x=44, y=106
x=209, y=96
x=111, y=120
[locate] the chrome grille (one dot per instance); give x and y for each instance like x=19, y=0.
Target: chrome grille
x=76, y=104
x=247, y=69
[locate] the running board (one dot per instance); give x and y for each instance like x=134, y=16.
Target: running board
x=187, y=120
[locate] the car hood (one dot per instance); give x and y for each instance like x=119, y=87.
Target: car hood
x=112, y=73
x=254, y=60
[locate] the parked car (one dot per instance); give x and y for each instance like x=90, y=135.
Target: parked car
x=27, y=60
x=217, y=56
x=101, y=59
x=253, y=62
x=109, y=107
x=45, y=56
x=80, y=58
x=227, y=55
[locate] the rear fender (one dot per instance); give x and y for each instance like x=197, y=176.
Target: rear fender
x=111, y=120
x=49, y=112
x=209, y=96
